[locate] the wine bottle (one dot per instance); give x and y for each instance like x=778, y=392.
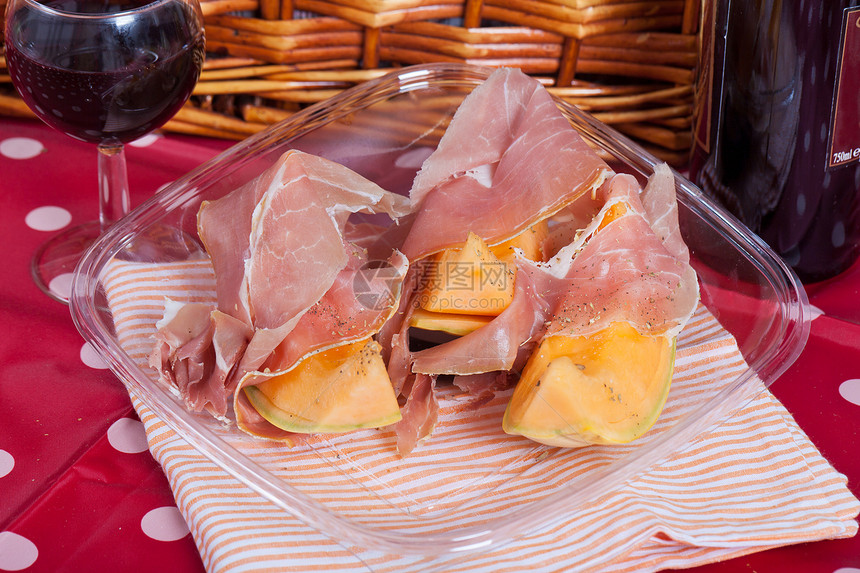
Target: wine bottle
x=778, y=136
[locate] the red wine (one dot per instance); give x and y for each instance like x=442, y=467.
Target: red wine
x=783, y=153
x=98, y=83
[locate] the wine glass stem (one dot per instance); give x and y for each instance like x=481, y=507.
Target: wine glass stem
x=113, y=184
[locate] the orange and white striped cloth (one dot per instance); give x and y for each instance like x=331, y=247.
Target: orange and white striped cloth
x=754, y=482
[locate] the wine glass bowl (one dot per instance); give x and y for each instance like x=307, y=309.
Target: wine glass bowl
x=105, y=72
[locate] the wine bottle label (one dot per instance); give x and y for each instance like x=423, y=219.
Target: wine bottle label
x=844, y=146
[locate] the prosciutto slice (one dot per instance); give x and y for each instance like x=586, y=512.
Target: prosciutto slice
x=420, y=414
x=303, y=182
x=623, y=270
x=661, y=210
x=224, y=227
x=492, y=347
x=195, y=352
x=279, y=250
x=360, y=301
x=182, y=353
x=356, y=306
x=508, y=159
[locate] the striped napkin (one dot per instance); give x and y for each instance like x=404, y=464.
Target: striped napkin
x=752, y=483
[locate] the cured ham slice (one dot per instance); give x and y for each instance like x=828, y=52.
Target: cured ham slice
x=303, y=189
x=394, y=336
x=661, y=210
x=494, y=346
x=279, y=250
x=182, y=348
x=355, y=307
x=420, y=414
x=297, y=246
x=196, y=350
x=508, y=159
x=284, y=227
x=359, y=302
x=301, y=273
x=642, y=285
x=224, y=227
x=483, y=387
x=229, y=341
x=622, y=270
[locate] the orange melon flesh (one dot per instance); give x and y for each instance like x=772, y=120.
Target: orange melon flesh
x=469, y=280
x=614, y=212
x=341, y=389
x=607, y=388
x=456, y=324
x=446, y=310
x=530, y=242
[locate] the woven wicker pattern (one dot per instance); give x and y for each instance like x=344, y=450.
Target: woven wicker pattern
x=633, y=64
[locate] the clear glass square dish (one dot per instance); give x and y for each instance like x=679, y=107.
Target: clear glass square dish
x=429, y=503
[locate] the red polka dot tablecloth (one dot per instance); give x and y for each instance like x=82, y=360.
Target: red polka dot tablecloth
x=79, y=490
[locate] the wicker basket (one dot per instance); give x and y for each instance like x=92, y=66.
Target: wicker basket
x=633, y=64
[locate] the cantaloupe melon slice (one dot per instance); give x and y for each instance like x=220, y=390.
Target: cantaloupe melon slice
x=468, y=280
x=530, y=242
x=341, y=389
x=607, y=388
x=456, y=324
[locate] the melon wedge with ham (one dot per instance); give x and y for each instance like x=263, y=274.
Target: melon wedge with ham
x=606, y=388
x=469, y=280
x=508, y=160
x=603, y=369
x=337, y=390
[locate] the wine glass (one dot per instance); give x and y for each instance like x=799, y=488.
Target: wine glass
x=106, y=72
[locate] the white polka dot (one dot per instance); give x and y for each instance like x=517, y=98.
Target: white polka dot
x=48, y=218
x=850, y=390
x=91, y=358
x=807, y=139
x=16, y=552
x=413, y=158
x=145, y=141
x=801, y=204
x=7, y=462
x=837, y=235
x=61, y=285
x=127, y=436
x=164, y=524
x=20, y=148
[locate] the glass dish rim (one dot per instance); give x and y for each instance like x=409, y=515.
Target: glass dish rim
x=553, y=507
